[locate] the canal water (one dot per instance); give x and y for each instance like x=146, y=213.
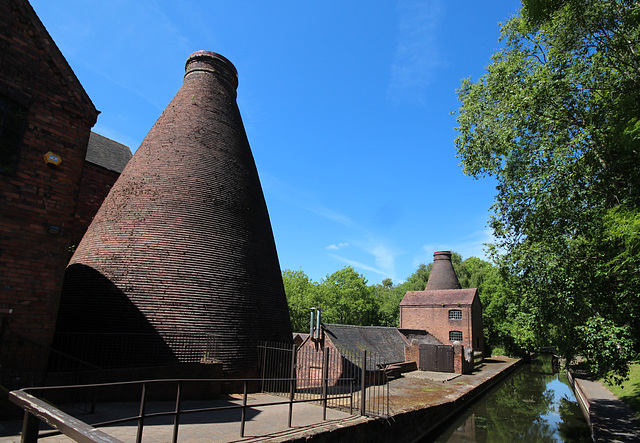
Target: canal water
x=535, y=404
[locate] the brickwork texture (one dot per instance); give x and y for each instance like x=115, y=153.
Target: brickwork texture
x=183, y=242
x=59, y=115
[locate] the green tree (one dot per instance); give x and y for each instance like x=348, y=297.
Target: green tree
x=301, y=295
x=388, y=298
x=345, y=298
x=556, y=121
x=418, y=280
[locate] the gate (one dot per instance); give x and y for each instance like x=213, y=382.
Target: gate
x=335, y=378
x=438, y=358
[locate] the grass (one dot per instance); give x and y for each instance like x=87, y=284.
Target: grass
x=629, y=391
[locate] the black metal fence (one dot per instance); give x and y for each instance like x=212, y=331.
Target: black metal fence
x=25, y=362
x=116, y=350
x=336, y=378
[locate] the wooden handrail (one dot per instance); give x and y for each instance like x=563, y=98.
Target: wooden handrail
x=65, y=423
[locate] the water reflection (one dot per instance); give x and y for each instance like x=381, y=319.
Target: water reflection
x=534, y=405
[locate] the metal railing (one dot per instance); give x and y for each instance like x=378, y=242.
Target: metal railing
x=37, y=409
x=25, y=362
x=326, y=375
x=118, y=350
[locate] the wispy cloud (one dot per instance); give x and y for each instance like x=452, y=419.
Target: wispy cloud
x=365, y=243
x=385, y=259
x=301, y=199
x=359, y=265
x=417, y=55
x=379, y=253
x=336, y=247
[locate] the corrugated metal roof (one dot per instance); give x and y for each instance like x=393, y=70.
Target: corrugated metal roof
x=439, y=297
x=387, y=342
x=109, y=154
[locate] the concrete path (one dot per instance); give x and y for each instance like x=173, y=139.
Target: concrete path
x=414, y=391
x=264, y=423
x=611, y=419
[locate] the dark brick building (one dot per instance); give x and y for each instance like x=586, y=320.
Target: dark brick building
x=182, y=246
x=54, y=174
x=104, y=162
x=45, y=122
x=443, y=309
x=346, y=343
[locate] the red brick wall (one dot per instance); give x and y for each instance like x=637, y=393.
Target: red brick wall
x=435, y=319
x=95, y=184
x=412, y=352
x=183, y=242
x=34, y=74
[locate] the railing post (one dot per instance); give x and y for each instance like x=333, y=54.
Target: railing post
x=292, y=378
x=176, y=418
x=264, y=363
x=363, y=384
x=30, y=428
x=143, y=406
x=325, y=380
x=351, y=396
x=244, y=409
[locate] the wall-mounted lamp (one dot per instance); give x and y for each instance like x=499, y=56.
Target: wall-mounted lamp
x=55, y=230
x=51, y=158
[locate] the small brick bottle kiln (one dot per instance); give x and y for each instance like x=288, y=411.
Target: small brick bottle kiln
x=182, y=249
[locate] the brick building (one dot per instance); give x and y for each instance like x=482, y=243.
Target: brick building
x=385, y=346
x=45, y=121
x=54, y=174
x=182, y=247
x=104, y=162
x=443, y=309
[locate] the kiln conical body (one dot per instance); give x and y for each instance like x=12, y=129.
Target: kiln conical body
x=182, y=246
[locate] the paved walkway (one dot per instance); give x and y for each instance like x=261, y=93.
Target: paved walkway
x=264, y=423
x=414, y=391
x=611, y=419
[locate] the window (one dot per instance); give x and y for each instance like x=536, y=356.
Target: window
x=12, y=122
x=455, y=335
x=455, y=314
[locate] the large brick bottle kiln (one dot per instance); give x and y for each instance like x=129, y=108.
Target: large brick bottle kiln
x=180, y=262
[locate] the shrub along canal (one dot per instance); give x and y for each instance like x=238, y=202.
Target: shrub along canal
x=535, y=404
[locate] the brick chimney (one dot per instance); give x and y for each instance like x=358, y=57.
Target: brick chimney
x=183, y=243
x=442, y=274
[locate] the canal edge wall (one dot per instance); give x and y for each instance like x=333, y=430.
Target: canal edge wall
x=411, y=425
x=582, y=398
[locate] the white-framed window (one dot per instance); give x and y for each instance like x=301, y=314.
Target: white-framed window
x=455, y=314
x=455, y=335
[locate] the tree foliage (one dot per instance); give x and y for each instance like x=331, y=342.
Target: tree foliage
x=556, y=120
x=301, y=296
x=345, y=298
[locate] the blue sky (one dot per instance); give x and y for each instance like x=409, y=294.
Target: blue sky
x=347, y=107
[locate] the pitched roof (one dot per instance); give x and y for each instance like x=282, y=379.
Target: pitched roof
x=387, y=342
x=52, y=55
x=109, y=154
x=439, y=297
